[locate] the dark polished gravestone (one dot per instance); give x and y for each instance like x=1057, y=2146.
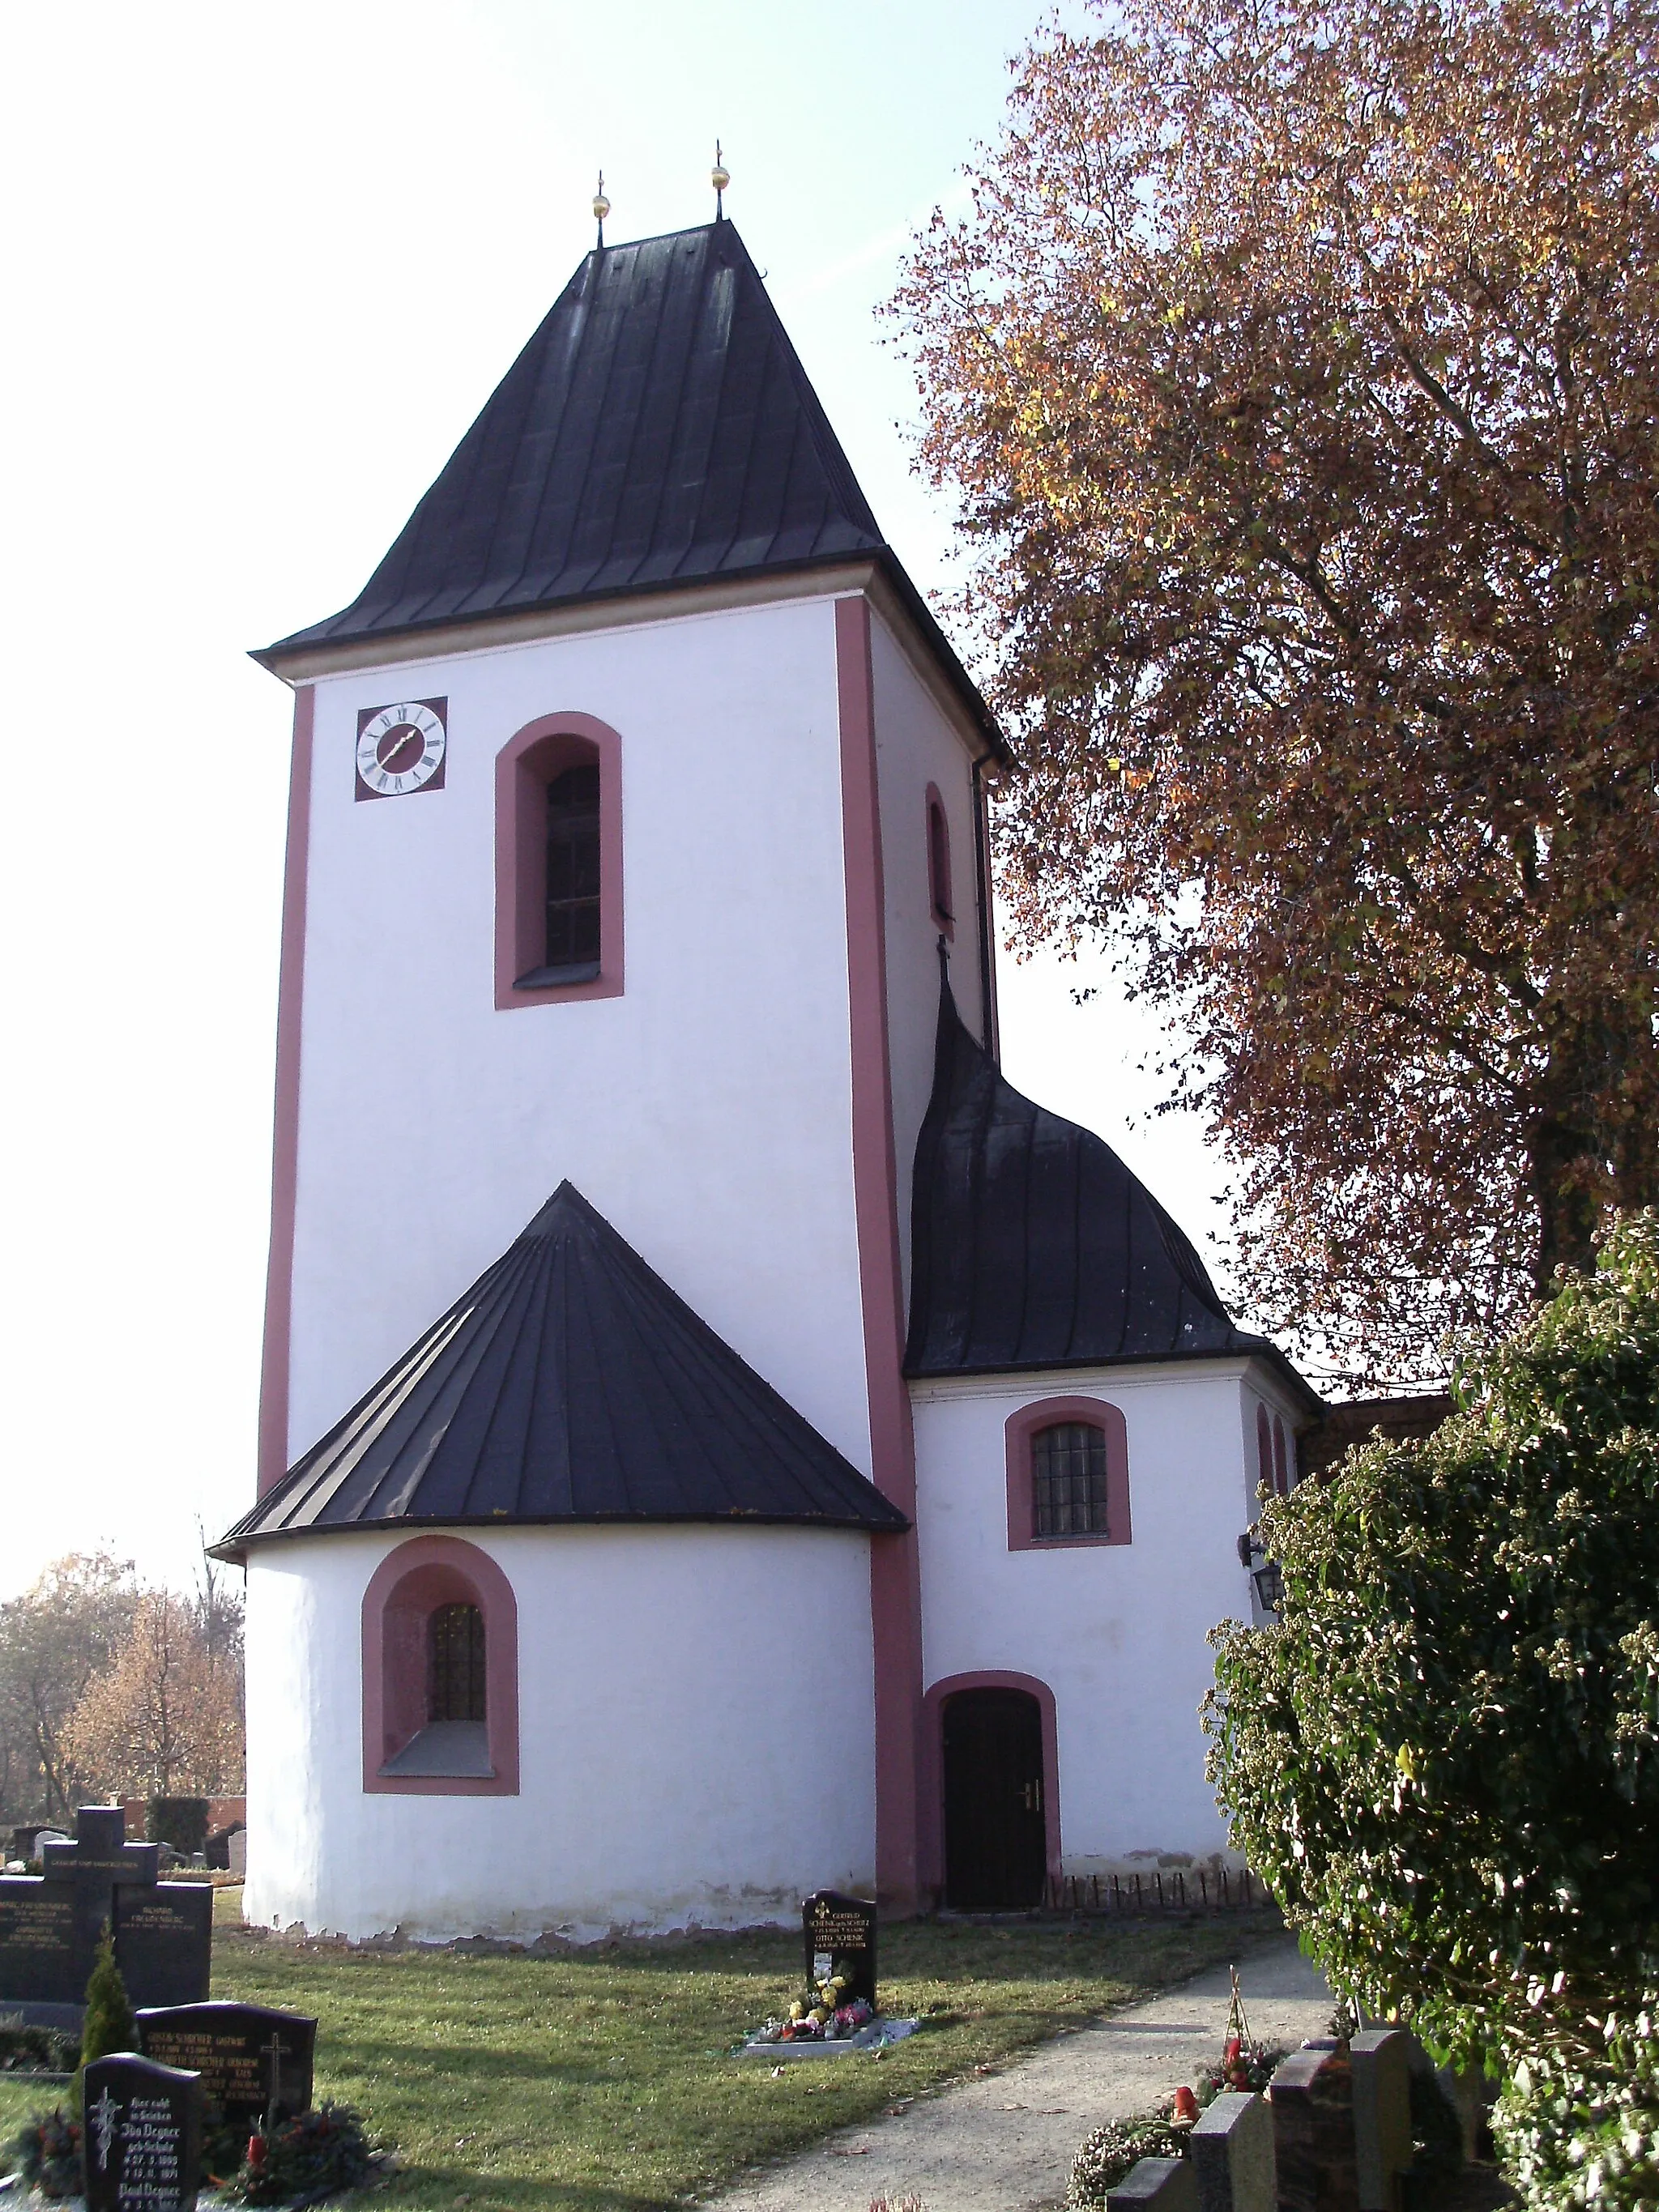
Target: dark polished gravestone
x=1312, y=2099
x=255, y=2063
x=50, y=1925
x=143, y=2135
x=839, y=1934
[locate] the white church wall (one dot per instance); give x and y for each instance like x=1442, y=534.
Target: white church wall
x=696, y=1717
x=916, y=744
x=704, y=1111
x=1116, y=1631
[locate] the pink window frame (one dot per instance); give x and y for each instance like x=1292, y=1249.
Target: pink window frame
x=938, y=864
x=525, y=766
x=403, y=1592
x=1022, y=1426
x=932, y=1767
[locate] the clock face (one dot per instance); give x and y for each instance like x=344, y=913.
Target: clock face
x=401, y=748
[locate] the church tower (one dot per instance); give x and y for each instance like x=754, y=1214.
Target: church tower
x=631, y=801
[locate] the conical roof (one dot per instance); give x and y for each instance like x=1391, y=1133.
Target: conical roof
x=1034, y=1246
x=568, y=1385
x=658, y=429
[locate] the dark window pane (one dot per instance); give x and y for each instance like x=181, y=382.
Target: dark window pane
x=573, y=866
x=455, y=1664
x=1068, y=1481
x=939, y=861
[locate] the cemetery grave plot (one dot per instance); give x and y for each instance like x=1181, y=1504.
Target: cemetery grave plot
x=51, y=1922
x=585, y=2080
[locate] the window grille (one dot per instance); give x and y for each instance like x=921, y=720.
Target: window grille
x=1068, y=1481
x=573, y=868
x=455, y=1664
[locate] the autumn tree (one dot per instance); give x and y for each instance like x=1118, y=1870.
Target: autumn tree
x=165, y=1715
x=53, y=1640
x=1297, y=368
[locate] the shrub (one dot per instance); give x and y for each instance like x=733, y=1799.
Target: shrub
x=38, y=2051
x=181, y=1821
x=109, y=2025
x=1111, y=2150
x=1444, y=1756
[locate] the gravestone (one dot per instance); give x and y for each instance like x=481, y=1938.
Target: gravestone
x=1311, y=2096
x=142, y=2136
x=1382, y=2059
x=839, y=1937
x=1231, y=2147
x=250, y=2057
x=1165, y=2183
x=164, y=1941
x=50, y=1925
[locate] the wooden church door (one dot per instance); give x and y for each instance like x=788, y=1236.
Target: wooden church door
x=995, y=1837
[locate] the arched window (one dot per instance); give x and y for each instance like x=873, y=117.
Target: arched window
x=1264, y=1450
x=558, y=863
x=1281, y=1466
x=441, y=1673
x=1068, y=1481
x=939, y=862
x=1068, y=1475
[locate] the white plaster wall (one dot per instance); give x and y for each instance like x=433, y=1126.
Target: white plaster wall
x=1117, y=1632
x=916, y=744
x=706, y=1112
x=697, y=1729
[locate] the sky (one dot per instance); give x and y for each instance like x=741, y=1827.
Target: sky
x=265, y=264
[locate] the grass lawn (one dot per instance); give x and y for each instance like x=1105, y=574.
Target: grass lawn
x=599, y=2081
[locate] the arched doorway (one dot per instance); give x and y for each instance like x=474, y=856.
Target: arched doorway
x=995, y=1832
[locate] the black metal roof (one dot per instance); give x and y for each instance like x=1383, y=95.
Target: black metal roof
x=658, y=429
x=1034, y=1246
x=569, y=1383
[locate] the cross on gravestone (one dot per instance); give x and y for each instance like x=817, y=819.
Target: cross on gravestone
x=1231, y=2147
x=839, y=1936
x=50, y=1925
x=230, y=2047
x=1311, y=2096
x=142, y=2143
x=1156, y=2184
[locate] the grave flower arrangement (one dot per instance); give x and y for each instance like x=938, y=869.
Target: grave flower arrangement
x=821, y=2014
x=314, y=2155
x=48, y=2153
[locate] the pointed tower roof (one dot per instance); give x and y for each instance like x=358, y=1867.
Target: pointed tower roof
x=658, y=430
x=568, y=1385
x=1034, y=1246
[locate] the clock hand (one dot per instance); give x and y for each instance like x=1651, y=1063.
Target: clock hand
x=409, y=735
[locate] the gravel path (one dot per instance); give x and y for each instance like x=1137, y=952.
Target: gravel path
x=1004, y=2142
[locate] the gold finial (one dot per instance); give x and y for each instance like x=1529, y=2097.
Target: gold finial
x=720, y=176
x=601, y=207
